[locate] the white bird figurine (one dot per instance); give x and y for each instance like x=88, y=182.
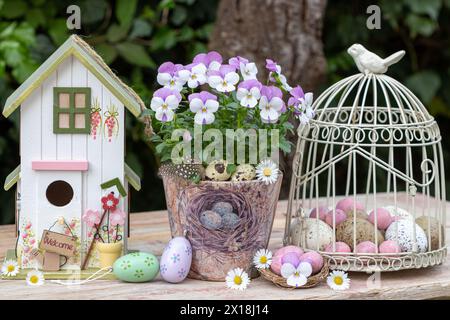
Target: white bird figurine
x=368, y=62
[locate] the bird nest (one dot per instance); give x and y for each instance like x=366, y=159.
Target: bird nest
x=244, y=237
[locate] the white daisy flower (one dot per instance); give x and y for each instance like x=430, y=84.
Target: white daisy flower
x=338, y=280
x=237, y=279
x=296, y=276
x=262, y=259
x=267, y=171
x=35, y=278
x=10, y=268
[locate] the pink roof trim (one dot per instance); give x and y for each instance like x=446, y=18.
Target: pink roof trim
x=60, y=165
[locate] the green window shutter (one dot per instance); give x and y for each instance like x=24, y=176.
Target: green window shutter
x=69, y=112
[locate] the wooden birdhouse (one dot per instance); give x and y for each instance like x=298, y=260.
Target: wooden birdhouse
x=72, y=149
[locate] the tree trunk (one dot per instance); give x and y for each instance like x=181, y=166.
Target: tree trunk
x=287, y=31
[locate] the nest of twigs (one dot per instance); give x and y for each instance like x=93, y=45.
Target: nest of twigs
x=313, y=280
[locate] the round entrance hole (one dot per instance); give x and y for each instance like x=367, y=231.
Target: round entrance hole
x=59, y=193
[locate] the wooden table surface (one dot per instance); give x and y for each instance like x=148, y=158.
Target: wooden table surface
x=150, y=232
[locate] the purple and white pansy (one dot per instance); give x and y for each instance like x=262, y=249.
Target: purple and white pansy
x=249, y=92
x=194, y=74
x=224, y=79
x=211, y=60
x=302, y=104
x=168, y=76
x=271, y=104
x=164, y=102
x=236, y=62
x=203, y=104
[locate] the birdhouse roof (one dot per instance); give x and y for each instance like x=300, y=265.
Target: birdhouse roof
x=74, y=45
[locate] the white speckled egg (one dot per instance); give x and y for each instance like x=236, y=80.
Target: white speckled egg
x=398, y=212
x=313, y=232
x=402, y=230
x=176, y=260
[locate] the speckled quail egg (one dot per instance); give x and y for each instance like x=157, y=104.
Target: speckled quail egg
x=230, y=221
x=365, y=231
x=217, y=170
x=244, y=172
x=397, y=212
x=222, y=207
x=313, y=233
x=402, y=232
x=431, y=227
x=210, y=219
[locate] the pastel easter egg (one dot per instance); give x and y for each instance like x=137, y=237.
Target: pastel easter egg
x=322, y=210
x=291, y=258
x=398, y=213
x=278, y=255
x=339, y=217
x=230, y=221
x=314, y=258
x=349, y=204
x=366, y=247
x=383, y=217
x=402, y=231
x=222, y=207
x=210, y=219
x=433, y=229
x=136, y=267
x=176, y=260
x=389, y=246
x=339, y=247
x=314, y=233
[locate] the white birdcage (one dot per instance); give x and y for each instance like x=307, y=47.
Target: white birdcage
x=373, y=143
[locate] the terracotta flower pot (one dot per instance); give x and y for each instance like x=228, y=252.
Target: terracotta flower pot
x=108, y=253
x=217, y=251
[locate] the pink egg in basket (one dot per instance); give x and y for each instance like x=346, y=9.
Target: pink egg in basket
x=278, y=255
x=292, y=258
x=349, y=204
x=366, y=247
x=323, y=210
x=389, y=246
x=340, y=247
x=314, y=258
x=384, y=218
x=340, y=216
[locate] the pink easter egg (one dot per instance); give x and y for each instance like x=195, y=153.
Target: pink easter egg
x=340, y=216
x=340, y=247
x=314, y=258
x=291, y=258
x=323, y=210
x=278, y=255
x=389, y=246
x=366, y=247
x=384, y=218
x=348, y=205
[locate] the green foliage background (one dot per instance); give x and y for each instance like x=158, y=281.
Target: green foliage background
x=134, y=36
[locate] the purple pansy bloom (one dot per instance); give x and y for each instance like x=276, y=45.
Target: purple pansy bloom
x=212, y=60
x=168, y=76
x=249, y=92
x=203, y=104
x=194, y=74
x=272, y=66
x=236, y=62
x=164, y=102
x=297, y=95
x=271, y=104
x=224, y=79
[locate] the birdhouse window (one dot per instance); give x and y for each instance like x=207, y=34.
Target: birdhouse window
x=72, y=108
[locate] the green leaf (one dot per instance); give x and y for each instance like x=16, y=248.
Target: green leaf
x=135, y=54
x=107, y=52
x=186, y=34
x=231, y=168
x=179, y=15
x=58, y=31
x=166, y=4
x=35, y=17
x=420, y=25
x=425, y=84
x=92, y=11
x=429, y=7
x=164, y=38
x=141, y=28
x=13, y=9
x=24, y=33
x=117, y=32
x=125, y=10
x=24, y=70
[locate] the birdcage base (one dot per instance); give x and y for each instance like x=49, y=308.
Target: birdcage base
x=382, y=263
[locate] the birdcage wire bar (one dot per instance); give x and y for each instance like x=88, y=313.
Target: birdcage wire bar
x=369, y=126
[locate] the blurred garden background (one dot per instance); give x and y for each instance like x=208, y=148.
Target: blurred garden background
x=135, y=36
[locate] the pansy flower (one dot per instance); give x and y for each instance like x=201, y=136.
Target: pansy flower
x=164, y=103
x=271, y=104
x=302, y=104
x=110, y=202
x=223, y=80
x=211, y=60
x=92, y=217
x=249, y=92
x=296, y=276
x=236, y=62
x=194, y=74
x=168, y=76
x=272, y=66
x=203, y=104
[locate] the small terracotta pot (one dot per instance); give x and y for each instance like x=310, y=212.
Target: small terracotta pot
x=108, y=253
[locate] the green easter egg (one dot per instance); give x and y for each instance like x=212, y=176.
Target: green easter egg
x=136, y=267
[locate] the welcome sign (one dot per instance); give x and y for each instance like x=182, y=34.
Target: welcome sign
x=58, y=243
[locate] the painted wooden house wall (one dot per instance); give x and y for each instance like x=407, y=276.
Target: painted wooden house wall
x=38, y=142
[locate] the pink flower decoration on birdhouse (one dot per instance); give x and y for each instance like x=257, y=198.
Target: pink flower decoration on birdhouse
x=110, y=202
x=92, y=217
x=117, y=217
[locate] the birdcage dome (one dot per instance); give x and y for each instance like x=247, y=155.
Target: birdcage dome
x=374, y=150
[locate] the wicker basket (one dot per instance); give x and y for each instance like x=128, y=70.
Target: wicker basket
x=215, y=252
x=279, y=281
